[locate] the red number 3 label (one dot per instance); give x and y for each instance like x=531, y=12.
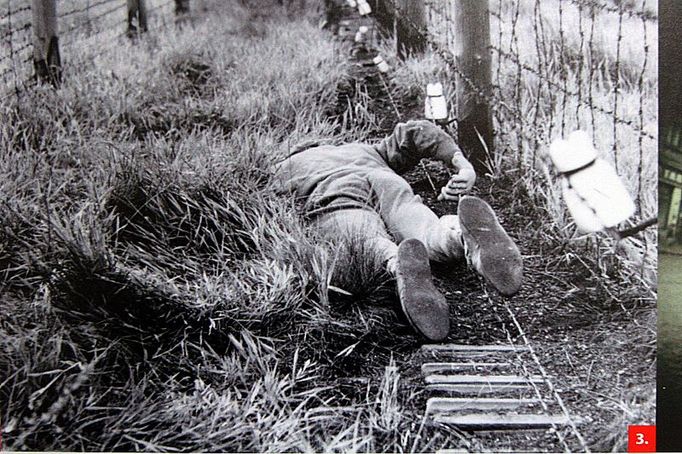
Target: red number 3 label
x=641, y=438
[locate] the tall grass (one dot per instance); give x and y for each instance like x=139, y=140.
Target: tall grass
x=157, y=292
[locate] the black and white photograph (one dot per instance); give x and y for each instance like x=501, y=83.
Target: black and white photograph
x=337, y=225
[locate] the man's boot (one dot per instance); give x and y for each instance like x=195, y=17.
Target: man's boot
x=488, y=248
x=424, y=306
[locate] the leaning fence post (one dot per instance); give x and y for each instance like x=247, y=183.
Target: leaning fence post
x=410, y=27
x=137, y=17
x=474, y=80
x=46, y=60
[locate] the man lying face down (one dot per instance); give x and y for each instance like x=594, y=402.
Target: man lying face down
x=356, y=189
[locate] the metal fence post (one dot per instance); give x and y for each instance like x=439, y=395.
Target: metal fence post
x=137, y=17
x=46, y=59
x=474, y=80
x=410, y=27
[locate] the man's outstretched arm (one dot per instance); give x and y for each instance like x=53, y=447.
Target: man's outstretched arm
x=414, y=140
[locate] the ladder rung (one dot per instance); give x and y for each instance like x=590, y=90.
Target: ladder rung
x=430, y=368
x=495, y=421
x=482, y=379
x=453, y=404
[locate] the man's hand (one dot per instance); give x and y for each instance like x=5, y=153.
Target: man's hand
x=459, y=183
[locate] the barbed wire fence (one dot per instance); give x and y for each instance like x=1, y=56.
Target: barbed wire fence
x=555, y=66
x=74, y=23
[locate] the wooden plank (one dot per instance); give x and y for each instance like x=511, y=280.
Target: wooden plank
x=453, y=404
x=493, y=421
x=479, y=389
x=472, y=348
x=482, y=379
x=430, y=368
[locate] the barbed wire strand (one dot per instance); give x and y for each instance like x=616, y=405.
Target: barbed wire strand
x=591, y=73
x=640, y=140
x=88, y=6
x=562, y=63
x=581, y=63
x=617, y=90
x=14, y=12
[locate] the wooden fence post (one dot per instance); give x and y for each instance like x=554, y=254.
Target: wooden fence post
x=137, y=17
x=46, y=59
x=181, y=10
x=473, y=59
x=410, y=27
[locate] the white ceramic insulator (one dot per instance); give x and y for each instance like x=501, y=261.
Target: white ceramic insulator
x=381, y=64
x=364, y=8
x=435, y=105
x=360, y=35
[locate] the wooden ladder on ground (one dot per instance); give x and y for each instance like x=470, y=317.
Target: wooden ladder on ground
x=480, y=388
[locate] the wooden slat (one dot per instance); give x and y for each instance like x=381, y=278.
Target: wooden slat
x=482, y=379
x=493, y=421
x=430, y=368
x=472, y=348
x=479, y=389
x=452, y=404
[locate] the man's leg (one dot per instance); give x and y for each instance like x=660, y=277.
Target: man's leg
x=474, y=232
x=360, y=225
x=423, y=305
x=407, y=217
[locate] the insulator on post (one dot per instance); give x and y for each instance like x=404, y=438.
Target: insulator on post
x=435, y=106
x=381, y=64
x=594, y=193
x=352, y=3
x=364, y=8
x=361, y=34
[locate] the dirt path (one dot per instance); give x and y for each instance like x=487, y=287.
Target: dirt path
x=581, y=324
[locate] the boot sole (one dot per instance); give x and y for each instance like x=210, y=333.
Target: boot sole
x=500, y=261
x=424, y=306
